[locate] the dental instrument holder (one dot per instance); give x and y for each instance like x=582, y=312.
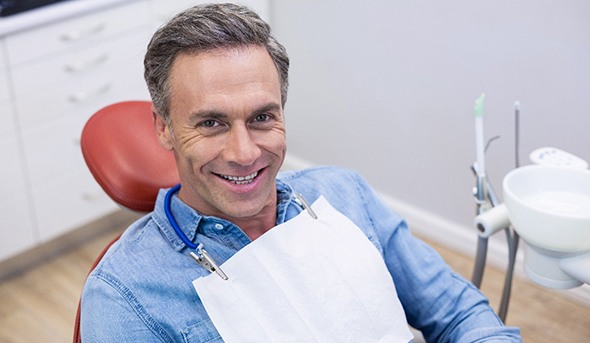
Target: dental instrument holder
x=485, y=199
x=550, y=259
x=480, y=195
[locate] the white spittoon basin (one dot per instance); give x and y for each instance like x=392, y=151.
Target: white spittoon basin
x=549, y=207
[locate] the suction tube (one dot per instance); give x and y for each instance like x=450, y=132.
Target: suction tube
x=480, y=191
x=492, y=217
x=479, y=137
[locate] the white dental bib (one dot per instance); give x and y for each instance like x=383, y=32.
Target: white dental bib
x=306, y=280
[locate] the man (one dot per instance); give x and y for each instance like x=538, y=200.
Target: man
x=218, y=82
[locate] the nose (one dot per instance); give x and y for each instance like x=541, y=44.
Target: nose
x=240, y=147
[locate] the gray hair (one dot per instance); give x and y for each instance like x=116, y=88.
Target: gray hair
x=200, y=29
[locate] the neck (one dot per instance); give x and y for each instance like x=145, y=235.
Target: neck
x=256, y=226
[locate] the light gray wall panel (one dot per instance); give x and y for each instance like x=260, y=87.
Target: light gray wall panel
x=388, y=87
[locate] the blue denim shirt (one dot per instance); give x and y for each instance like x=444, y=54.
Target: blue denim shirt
x=142, y=289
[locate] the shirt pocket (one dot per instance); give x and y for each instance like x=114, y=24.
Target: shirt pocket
x=203, y=331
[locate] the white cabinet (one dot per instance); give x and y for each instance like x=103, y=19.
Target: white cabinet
x=75, y=33
x=53, y=77
x=17, y=226
x=64, y=82
x=11, y=174
x=60, y=74
x=76, y=197
x=17, y=229
x=6, y=113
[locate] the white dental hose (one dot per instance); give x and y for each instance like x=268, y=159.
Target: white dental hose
x=485, y=198
x=480, y=192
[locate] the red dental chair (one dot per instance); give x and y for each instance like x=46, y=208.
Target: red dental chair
x=123, y=154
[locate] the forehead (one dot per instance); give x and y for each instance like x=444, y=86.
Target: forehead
x=224, y=67
x=223, y=77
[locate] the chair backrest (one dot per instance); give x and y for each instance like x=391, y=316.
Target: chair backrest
x=123, y=154
x=77, y=337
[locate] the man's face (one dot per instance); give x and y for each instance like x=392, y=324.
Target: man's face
x=227, y=130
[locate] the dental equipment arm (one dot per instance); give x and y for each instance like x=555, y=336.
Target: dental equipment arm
x=486, y=199
x=480, y=191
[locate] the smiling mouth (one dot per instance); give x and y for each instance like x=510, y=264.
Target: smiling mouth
x=240, y=180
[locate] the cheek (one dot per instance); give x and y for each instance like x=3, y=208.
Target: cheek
x=281, y=139
x=198, y=152
x=274, y=141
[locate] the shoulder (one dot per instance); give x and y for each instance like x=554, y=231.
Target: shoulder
x=317, y=171
x=342, y=187
x=134, y=282
x=324, y=178
x=346, y=190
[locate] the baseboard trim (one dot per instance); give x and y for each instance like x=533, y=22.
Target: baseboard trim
x=23, y=262
x=459, y=238
x=463, y=239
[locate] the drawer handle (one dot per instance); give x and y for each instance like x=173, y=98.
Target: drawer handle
x=79, y=66
x=83, y=96
x=76, y=35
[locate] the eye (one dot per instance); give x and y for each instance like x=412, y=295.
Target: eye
x=262, y=121
x=209, y=123
x=211, y=126
x=262, y=118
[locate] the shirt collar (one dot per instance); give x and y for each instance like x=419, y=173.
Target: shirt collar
x=189, y=220
x=284, y=199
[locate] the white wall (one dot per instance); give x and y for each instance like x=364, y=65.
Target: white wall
x=388, y=87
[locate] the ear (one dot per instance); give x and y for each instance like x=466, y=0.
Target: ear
x=163, y=132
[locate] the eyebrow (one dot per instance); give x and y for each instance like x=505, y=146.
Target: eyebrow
x=207, y=114
x=271, y=106
x=214, y=114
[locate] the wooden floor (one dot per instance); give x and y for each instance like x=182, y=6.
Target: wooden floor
x=40, y=305
x=543, y=315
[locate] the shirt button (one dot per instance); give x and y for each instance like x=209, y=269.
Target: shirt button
x=219, y=226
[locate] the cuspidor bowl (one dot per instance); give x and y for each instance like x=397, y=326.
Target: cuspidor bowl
x=549, y=206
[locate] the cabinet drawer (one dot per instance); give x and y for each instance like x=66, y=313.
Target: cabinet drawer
x=2, y=60
x=96, y=89
x=75, y=33
x=121, y=54
x=6, y=114
x=2, y=52
x=53, y=149
x=17, y=228
x=73, y=98
x=4, y=95
x=11, y=172
x=52, y=146
x=68, y=202
x=6, y=117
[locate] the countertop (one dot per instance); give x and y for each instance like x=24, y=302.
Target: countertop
x=51, y=13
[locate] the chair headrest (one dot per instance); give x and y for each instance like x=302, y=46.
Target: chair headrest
x=123, y=154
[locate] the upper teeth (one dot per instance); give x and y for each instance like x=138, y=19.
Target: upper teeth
x=240, y=179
